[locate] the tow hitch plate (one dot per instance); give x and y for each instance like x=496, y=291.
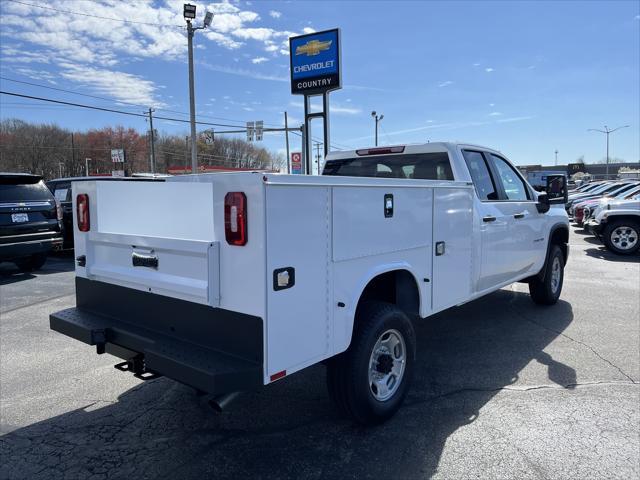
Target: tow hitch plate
x=137, y=367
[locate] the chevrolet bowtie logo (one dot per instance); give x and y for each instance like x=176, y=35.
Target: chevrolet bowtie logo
x=313, y=47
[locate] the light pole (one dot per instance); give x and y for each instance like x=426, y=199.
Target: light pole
x=556, y=152
x=189, y=14
x=377, y=119
x=607, y=131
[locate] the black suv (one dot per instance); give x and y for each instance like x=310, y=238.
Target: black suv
x=30, y=221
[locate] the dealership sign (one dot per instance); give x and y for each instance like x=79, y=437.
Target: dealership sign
x=315, y=62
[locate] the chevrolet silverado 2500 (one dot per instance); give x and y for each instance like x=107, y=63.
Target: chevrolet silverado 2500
x=227, y=282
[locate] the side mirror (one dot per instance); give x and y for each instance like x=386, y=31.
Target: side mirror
x=543, y=204
x=556, y=190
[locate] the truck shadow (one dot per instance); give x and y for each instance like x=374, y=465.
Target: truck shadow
x=9, y=272
x=159, y=429
x=604, y=254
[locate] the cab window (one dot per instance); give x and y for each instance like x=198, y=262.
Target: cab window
x=513, y=186
x=480, y=175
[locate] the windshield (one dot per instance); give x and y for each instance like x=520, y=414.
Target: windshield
x=622, y=189
x=426, y=166
x=12, y=191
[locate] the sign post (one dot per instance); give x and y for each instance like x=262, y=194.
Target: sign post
x=315, y=71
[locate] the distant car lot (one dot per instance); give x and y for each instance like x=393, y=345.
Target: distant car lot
x=504, y=389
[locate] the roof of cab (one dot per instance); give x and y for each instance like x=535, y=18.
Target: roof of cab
x=430, y=147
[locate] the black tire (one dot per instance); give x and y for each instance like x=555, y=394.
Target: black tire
x=622, y=236
x=348, y=373
x=545, y=290
x=34, y=262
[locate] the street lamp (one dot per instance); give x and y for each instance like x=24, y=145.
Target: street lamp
x=189, y=14
x=607, y=131
x=377, y=119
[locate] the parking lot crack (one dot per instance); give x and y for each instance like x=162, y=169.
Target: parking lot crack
x=564, y=335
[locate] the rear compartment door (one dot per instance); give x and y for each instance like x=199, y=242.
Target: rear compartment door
x=155, y=237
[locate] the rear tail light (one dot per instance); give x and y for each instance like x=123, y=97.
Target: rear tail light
x=235, y=218
x=82, y=212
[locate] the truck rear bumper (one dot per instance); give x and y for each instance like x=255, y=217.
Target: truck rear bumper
x=213, y=350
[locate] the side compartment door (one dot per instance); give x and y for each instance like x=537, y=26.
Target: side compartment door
x=452, y=246
x=298, y=277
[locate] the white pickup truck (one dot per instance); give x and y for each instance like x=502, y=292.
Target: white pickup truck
x=227, y=282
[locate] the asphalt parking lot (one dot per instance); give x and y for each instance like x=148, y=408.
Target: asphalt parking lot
x=504, y=389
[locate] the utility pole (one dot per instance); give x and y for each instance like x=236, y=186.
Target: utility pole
x=286, y=137
x=607, y=131
x=303, y=129
x=192, y=103
x=151, y=139
x=318, y=145
x=189, y=14
x=556, y=152
x=377, y=119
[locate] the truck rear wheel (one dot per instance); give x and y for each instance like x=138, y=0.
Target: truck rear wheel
x=369, y=381
x=546, y=290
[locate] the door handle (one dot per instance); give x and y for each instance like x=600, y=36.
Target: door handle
x=519, y=215
x=488, y=218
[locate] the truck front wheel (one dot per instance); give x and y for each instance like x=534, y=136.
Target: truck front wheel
x=546, y=290
x=369, y=381
x=621, y=236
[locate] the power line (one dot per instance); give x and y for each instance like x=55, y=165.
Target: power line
x=122, y=112
x=94, y=16
x=33, y=84
x=111, y=110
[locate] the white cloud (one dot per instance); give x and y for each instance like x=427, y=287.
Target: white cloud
x=260, y=33
x=308, y=30
x=488, y=70
x=337, y=109
x=476, y=64
x=122, y=86
x=223, y=40
x=258, y=60
x=243, y=72
x=515, y=119
x=445, y=83
x=32, y=35
x=495, y=114
x=334, y=108
x=492, y=104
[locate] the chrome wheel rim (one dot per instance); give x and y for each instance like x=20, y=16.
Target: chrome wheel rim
x=387, y=364
x=556, y=274
x=624, y=237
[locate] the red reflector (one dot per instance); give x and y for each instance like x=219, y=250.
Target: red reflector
x=82, y=212
x=278, y=375
x=235, y=218
x=380, y=151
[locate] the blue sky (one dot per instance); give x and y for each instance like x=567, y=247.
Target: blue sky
x=523, y=77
